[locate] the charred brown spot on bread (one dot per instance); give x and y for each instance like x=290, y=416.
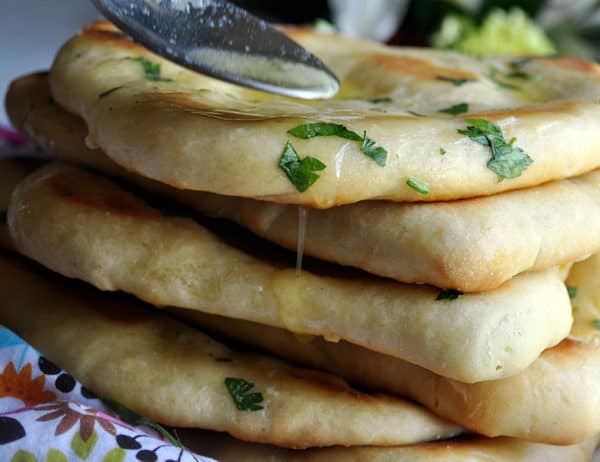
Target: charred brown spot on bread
x=188, y=103
x=568, y=348
x=546, y=108
x=569, y=62
x=414, y=66
x=103, y=195
x=106, y=32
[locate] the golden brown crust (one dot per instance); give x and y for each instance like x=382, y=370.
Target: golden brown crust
x=558, y=222
x=224, y=132
x=197, y=270
x=175, y=374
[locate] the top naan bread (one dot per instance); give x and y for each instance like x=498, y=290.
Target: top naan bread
x=194, y=132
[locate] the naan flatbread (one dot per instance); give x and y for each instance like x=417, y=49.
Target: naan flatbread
x=84, y=226
x=469, y=449
x=12, y=171
x=555, y=400
x=470, y=245
x=176, y=375
x=193, y=132
x=584, y=281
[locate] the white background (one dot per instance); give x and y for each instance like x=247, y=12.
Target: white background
x=32, y=30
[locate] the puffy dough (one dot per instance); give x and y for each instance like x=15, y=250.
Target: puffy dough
x=12, y=171
x=193, y=132
x=471, y=245
x=554, y=400
x=470, y=449
x=176, y=375
x=84, y=226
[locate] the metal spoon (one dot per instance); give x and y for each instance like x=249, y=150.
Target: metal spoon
x=219, y=39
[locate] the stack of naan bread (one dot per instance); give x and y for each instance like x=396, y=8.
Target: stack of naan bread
x=439, y=202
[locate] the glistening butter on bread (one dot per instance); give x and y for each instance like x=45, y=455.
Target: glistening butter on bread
x=471, y=245
x=193, y=132
x=85, y=226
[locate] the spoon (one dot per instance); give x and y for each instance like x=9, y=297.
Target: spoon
x=219, y=39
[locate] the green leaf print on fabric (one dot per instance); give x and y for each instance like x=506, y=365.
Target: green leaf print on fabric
x=83, y=448
x=23, y=456
x=54, y=455
x=114, y=455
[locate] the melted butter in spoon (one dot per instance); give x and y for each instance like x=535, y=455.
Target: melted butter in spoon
x=270, y=71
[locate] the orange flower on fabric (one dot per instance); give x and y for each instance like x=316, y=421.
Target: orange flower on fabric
x=23, y=387
x=69, y=417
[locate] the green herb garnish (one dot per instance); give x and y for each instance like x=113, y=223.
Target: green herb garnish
x=456, y=109
x=377, y=153
x=596, y=323
x=507, y=160
x=419, y=186
x=306, y=131
x=151, y=70
x=104, y=94
x=572, y=291
x=449, y=294
x=416, y=114
x=239, y=389
x=520, y=62
x=442, y=151
x=133, y=418
x=495, y=76
x=453, y=81
x=299, y=171
x=382, y=99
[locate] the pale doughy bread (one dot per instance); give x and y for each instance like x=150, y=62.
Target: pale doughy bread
x=470, y=245
x=469, y=449
x=584, y=279
x=12, y=171
x=82, y=225
x=555, y=400
x=193, y=132
x=175, y=374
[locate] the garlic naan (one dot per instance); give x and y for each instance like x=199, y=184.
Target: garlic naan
x=85, y=226
x=175, y=374
x=193, y=132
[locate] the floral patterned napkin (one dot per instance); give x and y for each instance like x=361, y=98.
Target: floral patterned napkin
x=47, y=416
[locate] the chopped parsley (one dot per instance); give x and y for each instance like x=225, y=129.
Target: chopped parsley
x=307, y=131
x=453, y=81
x=442, y=151
x=151, y=70
x=449, y=294
x=596, y=323
x=239, y=389
x=299, y=171
x=382, y=99
x=416, y=114
x=104, y=94
x=419, y=186
x=377, y=153
x=456, y=109
x=496, y=76
x=572, y=291
x=133, y=418
x=507, y=160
